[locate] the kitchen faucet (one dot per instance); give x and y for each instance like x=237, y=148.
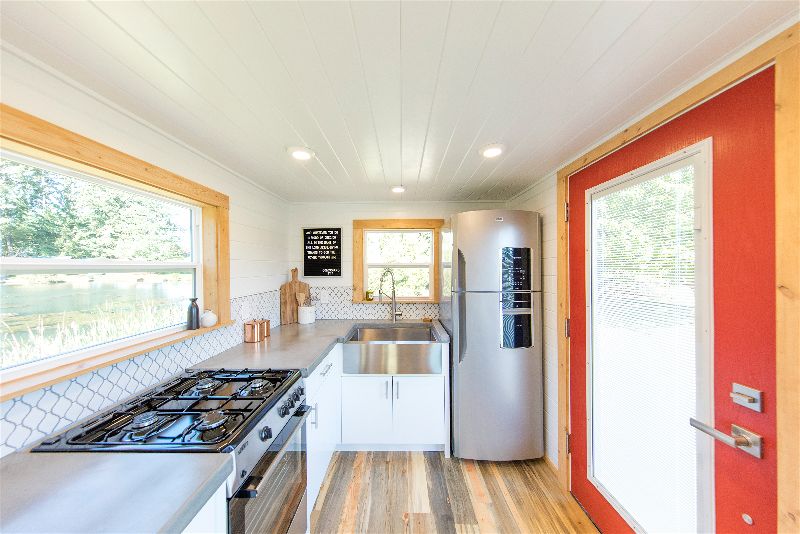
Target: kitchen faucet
x=395, y=313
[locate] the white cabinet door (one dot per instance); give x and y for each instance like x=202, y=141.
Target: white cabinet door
x=366, y=409
x=418, y=409
x=317, y=460
x=324, y=423
x=331, y=421
x=213, y=517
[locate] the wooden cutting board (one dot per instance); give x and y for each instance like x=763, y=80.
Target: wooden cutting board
x=289, y=292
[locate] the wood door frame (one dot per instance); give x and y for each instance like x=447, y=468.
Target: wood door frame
x=782, y=51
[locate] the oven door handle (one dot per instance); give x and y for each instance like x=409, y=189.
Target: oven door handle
x=254, y=484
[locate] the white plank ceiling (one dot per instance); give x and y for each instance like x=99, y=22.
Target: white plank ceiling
x=386, y=92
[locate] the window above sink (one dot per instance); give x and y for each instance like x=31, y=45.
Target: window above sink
x=409, y=248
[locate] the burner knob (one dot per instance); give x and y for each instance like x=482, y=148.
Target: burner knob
x=283, y=411
x=296, y=396
x=301, y=390
x=290, y=402
x=265, y=433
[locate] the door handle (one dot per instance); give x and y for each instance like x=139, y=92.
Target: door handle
x=315, y=422
x=387, y=389
x=397, y=390
x=739, y=437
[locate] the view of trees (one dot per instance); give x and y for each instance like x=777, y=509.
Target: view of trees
x=47, y=214
x=643, y=248
x=385, y=249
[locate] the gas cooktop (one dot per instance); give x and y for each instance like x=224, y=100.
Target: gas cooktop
x=204, y=410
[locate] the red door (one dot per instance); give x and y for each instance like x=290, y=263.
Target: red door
x=740, y=123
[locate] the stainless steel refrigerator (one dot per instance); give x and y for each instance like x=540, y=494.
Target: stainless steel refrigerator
x=491, y=304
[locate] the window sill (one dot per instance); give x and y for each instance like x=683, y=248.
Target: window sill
x=17, y=381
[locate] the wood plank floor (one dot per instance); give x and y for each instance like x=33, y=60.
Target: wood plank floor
x=388, y=492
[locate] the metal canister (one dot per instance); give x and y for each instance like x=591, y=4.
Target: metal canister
x=263, y=328
x=252, y=332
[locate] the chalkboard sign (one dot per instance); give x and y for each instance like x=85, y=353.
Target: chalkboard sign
x=322, y=252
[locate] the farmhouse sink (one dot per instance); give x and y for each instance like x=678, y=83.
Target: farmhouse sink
x=393, y=333
x=392, y=349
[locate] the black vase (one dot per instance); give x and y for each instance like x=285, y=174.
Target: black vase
x=193, y=315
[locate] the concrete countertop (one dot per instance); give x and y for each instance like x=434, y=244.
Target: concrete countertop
x=149, y=492
x=297, y=346
x=106, y=492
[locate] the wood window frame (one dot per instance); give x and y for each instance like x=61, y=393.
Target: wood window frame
x=31, y=136
x=782, y=52
x=360, y=226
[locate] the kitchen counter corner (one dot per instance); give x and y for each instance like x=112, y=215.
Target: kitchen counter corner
x=106, y=492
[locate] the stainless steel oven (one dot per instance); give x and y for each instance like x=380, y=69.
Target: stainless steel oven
x=272, y=498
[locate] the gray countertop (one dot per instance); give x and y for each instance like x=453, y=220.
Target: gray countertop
x=131, y=492
x=106, y=492
x=296, y=346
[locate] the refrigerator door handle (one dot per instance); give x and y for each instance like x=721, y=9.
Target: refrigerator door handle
x=462, y=326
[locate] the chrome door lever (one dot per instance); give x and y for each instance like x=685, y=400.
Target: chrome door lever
x=739, y=437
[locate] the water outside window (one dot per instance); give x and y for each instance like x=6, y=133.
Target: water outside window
x=88, y=229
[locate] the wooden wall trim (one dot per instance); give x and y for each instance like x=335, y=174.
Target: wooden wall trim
x=787, y=276
x=562, y=313
x=44, y=377
x=26, y=129
x=359, y=225
x=398, y=224
x=22, y=132
x=781, y=50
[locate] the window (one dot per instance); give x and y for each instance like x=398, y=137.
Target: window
x=648, y=338
x=409, y=248
x=87, y=261
x=99, y=253
x=407, y=253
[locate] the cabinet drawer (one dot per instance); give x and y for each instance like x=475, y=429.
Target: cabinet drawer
x=328, y=367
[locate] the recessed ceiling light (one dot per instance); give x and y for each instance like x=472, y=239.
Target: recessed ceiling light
x=300, y=152
x=492, y=151
x=398, y=189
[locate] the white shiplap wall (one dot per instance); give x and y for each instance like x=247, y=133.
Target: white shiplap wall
x=314, y=214
x=388, y=92
x=258, y=219
x=542, y=198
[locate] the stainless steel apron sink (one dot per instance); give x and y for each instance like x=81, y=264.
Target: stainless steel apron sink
x=392, y=349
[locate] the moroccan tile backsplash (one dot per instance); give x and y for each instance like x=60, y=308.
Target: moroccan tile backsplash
x=337, y=303
x=32, y=416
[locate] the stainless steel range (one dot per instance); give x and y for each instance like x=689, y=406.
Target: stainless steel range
x=257, y=416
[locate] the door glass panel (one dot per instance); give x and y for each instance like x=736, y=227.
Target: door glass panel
x=643, y=453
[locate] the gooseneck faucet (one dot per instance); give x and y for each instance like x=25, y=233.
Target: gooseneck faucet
x=395, y=313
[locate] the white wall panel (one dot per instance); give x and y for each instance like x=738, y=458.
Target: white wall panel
x=542, y=198
x=263, y=235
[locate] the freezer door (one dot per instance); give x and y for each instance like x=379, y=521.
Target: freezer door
x=486, y=240
x=497, y=390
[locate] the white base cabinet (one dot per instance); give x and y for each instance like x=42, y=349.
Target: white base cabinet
x=323, y=426
x=400, y=410
x=212, y=517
